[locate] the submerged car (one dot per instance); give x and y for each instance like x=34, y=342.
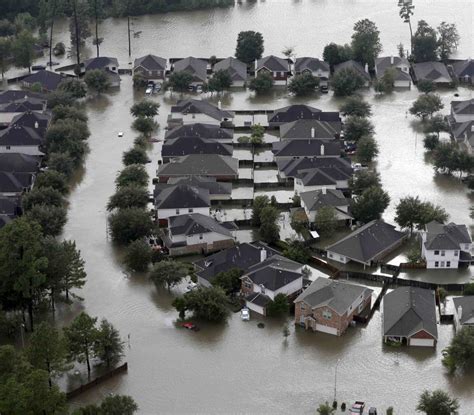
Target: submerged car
x=149, y=90
x=190, y=326
x=324, y=89
x=245, y=314
x=357, y=408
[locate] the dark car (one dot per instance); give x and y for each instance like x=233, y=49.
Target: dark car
x=38, y=68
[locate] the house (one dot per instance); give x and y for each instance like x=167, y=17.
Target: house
x=275, y=275
x=401, y=68
x=12, y=95
x=356, y=67
x=223, y=168
x=182, y=146
x=242, y=256
x=10, y=207
x=236, y=69
x=196, y=233
x=446, y=246
x=326, y=130
x=298, y=148
x=9, y=110
x=150, y=67
x=19, y=163
x=366, y=245
x=300, y=112
x=14, y=184
x=463, y=312
x=48, y=80
x=217, y=190
x=19, y=139
x=329, y=306
x=314, y=200
x=464, y=71
x=409, y=317
x=279, y=68
x=191, y=111
x=463, y=132
x=109, y=65
x=33, y=119
x=462, y=111
x=435, y=72
x=180, y=199
x=315, y=67
x=224, y=135
x=307, y=180
x=196, y=67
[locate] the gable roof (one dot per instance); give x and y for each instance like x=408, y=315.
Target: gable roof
x=194, y=106
x=201, y=165
x=407, y=310
x=273, y=63
x=337, y=295
x=464, y=68
x=19, y=162
x=196, y=223
x=465, y=107
x=355, y=66
x=100, y=63
x=462, y=130
x=200, y=130
x=150, y=63
x=32, y=119
x=182, y=146
x=316, y=199
x=181, y=196
x=335, y=165
x=367, y=242
x=324, y=176
x=18, y=135
x=432, y=71
x=382, y=64
x=15, y=182
x=301, y=112
x=196, y=67
x=23, y=105
x=467, y=309
x=15, y=95
x=311, y=64
x=237, y=69
x=450, y=236
x=306, y=128
x=209, y=183
x=49, y=80
x=306, y=148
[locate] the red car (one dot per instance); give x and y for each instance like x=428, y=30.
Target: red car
x=190, y=326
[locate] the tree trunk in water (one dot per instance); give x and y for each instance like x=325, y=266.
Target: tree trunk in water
x=51, y=36
x=48, y=365
x=88, y=362
x=30, y=313
x=76, y=28
x=411, y=36
x=53, y=305
x=67, y=294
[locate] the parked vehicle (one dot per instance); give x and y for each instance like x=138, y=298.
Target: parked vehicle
x=199, y=89
x=245, y=314
x=158, y=87
x=149, y=90
x=359, y=166
x=372, y=411
x=120, y=134
x=190, y=326
x=190, y=88
x=357, y=408
x=38, y=68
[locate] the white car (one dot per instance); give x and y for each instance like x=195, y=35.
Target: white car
x=149, y=90
x=120, y=134
x=245, y=314
x=191, y=286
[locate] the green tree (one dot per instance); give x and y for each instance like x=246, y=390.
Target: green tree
x=229, y=281
x=406, y=11
x=249, y=46
x=53, y=180
x=299, y=221
x=81, y=336
x=79, y=27
x=278, y=307
x=75, y=87
x=133, y=175
x=118, y=405
x=62, y=163
x=356, y=106
x=5, y=53
x=437, y=402
x=426, y=105
x=74, y=274
x=370, y=204
x=135, y=155
x=411, y=212
x=258, y=204
x=145, y=108
x=426, y=86
x=262, y=83
x=346, y=81
x=386, y=83
x=436, y=124
x=97, y=80
x=297, y=251
x=448, y=39
x=366, y=44
x=326, y=220
x=144, y=125
x=108, y=347
x=325, y=409
x=425, y=43
x=367, y=149
x=220, y=81
x=42, y=196
x=363, y=179
x=335, y=54
x=430, y=142
x=62, y=112
x=138, y=255
x=23, y=50
x=469, y=289
x=357, y=127
x=127, y=225
x=303, y=84
x=168, y=273
x=67, y=129
x=60, y=97
x=206, y=303
x=51, y=218
x=128, y=197
x=180, y=81
x=269, y=230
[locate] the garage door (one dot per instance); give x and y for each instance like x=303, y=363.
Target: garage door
x=326, y=329
x=422, y=342
x=254, y=307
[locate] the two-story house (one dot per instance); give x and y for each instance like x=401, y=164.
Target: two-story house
x=315, y=200
x=108, y=65
x=463, y=312
x=19, y=139
x=150, y=67
x=445, y=246
x=191, y=111
x=279, y=68
x=315, y=67
x=400, y=66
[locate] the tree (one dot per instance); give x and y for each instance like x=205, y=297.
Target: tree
x=346, y=81
x=269, y=230
x=356, y=106
x=73, y=86
x=448, y=158
x=51, y=218
x=79, y=27
x=67, y=129
x=278, y=307
x=297, y=251
x=363, y=179
x=145, y=108
x=326, y=220
x=370, y=204
x=62, y=112
x=5, y=53
x=135, y=155
x=128, y=197
x=437, y=402
x=118, y=405
x=430, y=142
x=426, y=86
x=229, y=281
x=426, y=105
x=220, y=80
x=469, y=289
x=258, y=204
x=366, y=44
x=406, y=11
x=60, y=97
x=357, y=127
x=367, y=149
x=262, y=83
x=144, y=125
x=62, y=163
x=81, y=336
x=23, y=50
x=436, y=124
x=411, y=212
x=127, y=225
x=53, y=180
x=168, y=273
x=108, y=347
x=303, y=84
x=448, y=39
x=138, y=255
x=97, y=80
x=133, y=175
x=206, y=303
x=425, y=43
x=249, y=46
x=47, y=351
x=299, y=221
x=386, y=83
x=325, y=409
x=42, y=196
x=336, y=54
x=180, y=81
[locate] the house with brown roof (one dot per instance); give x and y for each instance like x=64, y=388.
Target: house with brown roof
x=150, y=67
x=313, y=66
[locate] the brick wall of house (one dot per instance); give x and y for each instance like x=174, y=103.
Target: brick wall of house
x=422, y=334
x=245, y=290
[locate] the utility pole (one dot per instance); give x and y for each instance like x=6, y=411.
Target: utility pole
x=96, y=28
x=76, y=29
x=129, y=40
x=53, y=14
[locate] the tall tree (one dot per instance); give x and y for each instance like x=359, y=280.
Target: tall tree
x=460, y=352
x=23, y=50
x=366, y=44
x=269, y=230
x=425, y=43
x=370, y=204
x=249, y=46
x=448, y=39
x=108, y=346
x=406, y=11
x=258, y=204
x=127, y=225
x=97, y=80
x=168, y=273
x=5, y=53
x=79, y=26
x=335, y=54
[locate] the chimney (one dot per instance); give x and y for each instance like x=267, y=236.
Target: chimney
x=460, y=312
x=263, y=254
x=219, y=104
x=36, y=125
x=313, y=132
x=324, y=191
x=256, y=67
x=391, y=60
x=366, y=68
x=322, y=150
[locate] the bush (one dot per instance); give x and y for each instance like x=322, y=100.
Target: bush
x=303, y=84
x=52, y=179
x=278, y=307
x=136, y=155
x=430, y=142
x=346, y=82
x=138, y=255
x=262, y=83
x=133, y=175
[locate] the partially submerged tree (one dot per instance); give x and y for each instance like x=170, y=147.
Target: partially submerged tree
x=304, y=84
x=133, y=175
x=366, y=44
x=144, y=125
x=220, y=81
x=278, y=307
x=145, y=108
x=108, y=347
x=346, y=81
x=363, y=179
x=426, y=105
x=370, y=204
x=127, y=225
x=367, y=149
x=138, y=255
x=262, y=83
x=437, y=402
x=249, y=46
x=357, y=127
x=411, y=212
x=97, y=80
x=136, y=155
x=168, y=273
x=129, y=197
x=356, y=106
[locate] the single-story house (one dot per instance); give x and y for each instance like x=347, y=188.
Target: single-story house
x=224, y=135
x=300, y=112
x=279, y=68
x=299, y=148
x=19, y=139
x=104, y=63
x=48, y=80
x=435, y=72
x=183, y=146
x=324, y=130
x=330, y=306
x=462, y=111
x=315, y=67
x=409, y=317
x=463, y=312
x=401, y=68
x=366, y=245
x=314, y=200
x=217, y=190
x=15, y=184
x=463, y=132
x=150, y=67
x=191, y=111
x=195, y=67
x=464, y=71
x=236, y=69
x=356, y=67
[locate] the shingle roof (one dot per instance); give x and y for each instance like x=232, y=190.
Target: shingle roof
x=200, y=130
x=182, y=196
x=273, y=63
x=301, y=112
x=201, y=165
x=15, y=95
x=150, y=63
x=355, y=66
x=467, y=309
x=196, y=223
x=32, y=119
x=209, y=183
x=464, y=68
x=407, y=310
x=19, y=162
x=316, y=199
x=182, y=146
x=99, y=63
x=17, y=135
x=23, y=105
x=316, y=177
x=291, y=168
x=306, y=148
x=259, y=299
x=463, y=130
x=367, y=242
x=312, y=64
x=195, y=106
x=305, y=129
x=236, y=68
x=463, y=107
x=14, y=182
x=450, y=236
x=337, y=295
x=196, y=67
x=49, y=80
x=385, y=62
x=431, y=71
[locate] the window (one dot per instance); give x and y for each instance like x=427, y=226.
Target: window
x=248, y=285
x=327, y=314
x=361, y=307
x=448, y=264
x=200, y=236
x=456, y=253
x=436, y=264
x=177, y=211
x=331, y=256
x=436, y=252
x=191, y=210
x=302, y=307
x=442, y=264
x=443, y=253
x=341, y=258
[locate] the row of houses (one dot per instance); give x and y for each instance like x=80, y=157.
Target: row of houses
x=461, y=121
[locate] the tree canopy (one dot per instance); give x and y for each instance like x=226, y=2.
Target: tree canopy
x=127, y=225
x=346, y=81
x=303, y=84
x=437, y=402
x=411, y=212
x=262, y=83
x=249, y=46
x=366, y=44
x=370, y=205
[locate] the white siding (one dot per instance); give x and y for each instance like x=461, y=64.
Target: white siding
x=209, y=238
x=269, y=293
x=197, y=118
x=402, y=84
x=167, y=213
x=337, y=257
x=421, y=342
x=291, y=288
x=30, y=150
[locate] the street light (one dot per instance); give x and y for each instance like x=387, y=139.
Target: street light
x=335, y=379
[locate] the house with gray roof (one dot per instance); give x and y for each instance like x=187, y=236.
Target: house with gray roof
x=301, y=112
x=309, y=129
x=197, y=68
x=183, y=146
x=150, y=67
x=19, y=139
x=314, y=200
x=298, y=148
x=33, y=119
x=355, y=66
x=236, y=69
x=329, y=306
x=278, y=68
x=108, y=65
x=463, y=312
x=313, y=66
x=409, y=317
x=462, y=111
x=400, y=67
x=338, y=166
x=197, y=233
x=262, y=282
x=320, y=178
x=366, y=245
x=463, y=132
x=217, y=190
x=464, y=71
x=48, y=80
x=191, y=111
x=223, y=135
x=435, y=72
x=13, y=184
x=446, y=246
x=19, y=163
x=10, y=109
